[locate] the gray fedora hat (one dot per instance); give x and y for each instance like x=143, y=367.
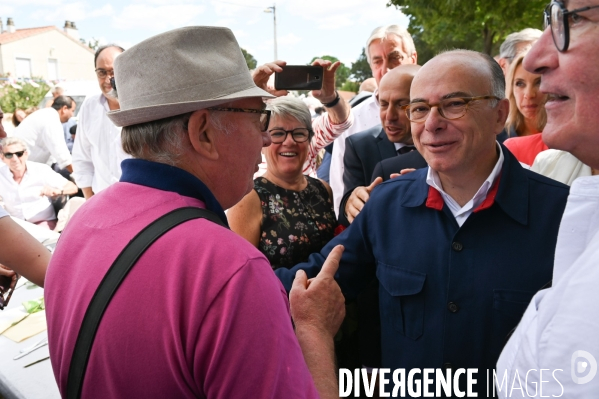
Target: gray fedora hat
x=180, y=71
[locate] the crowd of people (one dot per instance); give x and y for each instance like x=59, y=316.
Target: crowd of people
x=445, y=218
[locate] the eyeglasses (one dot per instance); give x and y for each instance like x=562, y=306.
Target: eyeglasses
x=102, y=73
x=264, y=114
x=558, y=17
x=9, y=155
x=299, y=135
x=449, y=108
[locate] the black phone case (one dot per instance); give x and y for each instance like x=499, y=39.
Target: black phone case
x=299, y=77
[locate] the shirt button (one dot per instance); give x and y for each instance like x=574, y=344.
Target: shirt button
x=453, y=307
x=457, y=246
x=447, y=366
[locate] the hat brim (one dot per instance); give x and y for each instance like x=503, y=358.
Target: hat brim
x=152, y=113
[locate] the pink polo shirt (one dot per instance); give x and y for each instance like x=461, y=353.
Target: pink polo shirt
x=200, y=315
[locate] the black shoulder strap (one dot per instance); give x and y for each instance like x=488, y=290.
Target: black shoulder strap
x=111, y=282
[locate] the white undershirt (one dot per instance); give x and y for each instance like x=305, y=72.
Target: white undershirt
x=461, y=213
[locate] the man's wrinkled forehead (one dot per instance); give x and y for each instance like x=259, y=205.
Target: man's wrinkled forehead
x=391, y=37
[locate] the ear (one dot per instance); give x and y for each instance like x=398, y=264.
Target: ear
x=503, y=109
x=503, y=64
x=201, y=135
x=414, y=57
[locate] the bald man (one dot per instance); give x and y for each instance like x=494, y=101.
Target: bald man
x=389, y=139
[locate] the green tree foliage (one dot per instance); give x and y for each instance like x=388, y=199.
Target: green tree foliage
x=479, y=25
x=92, y=44
x=350, y=85
x=342, y=73
x=249, y=59
x=26, y=97
x=360, y=70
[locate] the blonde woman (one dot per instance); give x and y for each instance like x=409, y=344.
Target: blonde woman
x=527, y=116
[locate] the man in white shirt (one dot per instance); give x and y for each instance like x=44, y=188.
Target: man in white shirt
x=27, y=187
x=97, y=151
x=67, y=126
x=555, y=349
x=42, y=132
x=386, y=48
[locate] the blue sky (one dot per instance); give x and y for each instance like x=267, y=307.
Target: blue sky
x=305, y=28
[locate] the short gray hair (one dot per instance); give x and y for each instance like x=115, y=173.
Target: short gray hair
x=5, y=142
x=509, y=47
x=159, y=141
x=164, y=140
x=291, y=107
x=383, y=31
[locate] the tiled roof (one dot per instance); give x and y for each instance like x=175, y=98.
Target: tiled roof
x=28, y=32
x=23, y=34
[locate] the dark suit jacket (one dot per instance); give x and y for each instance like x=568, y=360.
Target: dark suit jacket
x=362, y=152
x=411, y=159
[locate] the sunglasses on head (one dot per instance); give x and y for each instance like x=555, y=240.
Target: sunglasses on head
x=9, y=155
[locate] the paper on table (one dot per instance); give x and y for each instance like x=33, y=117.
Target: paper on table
x=9, y=317
x=32, y=325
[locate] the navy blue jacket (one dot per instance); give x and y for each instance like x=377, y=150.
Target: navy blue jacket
x=449, y=295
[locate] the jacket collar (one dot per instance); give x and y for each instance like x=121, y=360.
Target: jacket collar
x=170, y=178
x=510, y=191
x=386, y=147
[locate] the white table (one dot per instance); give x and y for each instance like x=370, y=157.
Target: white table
x=16, y=381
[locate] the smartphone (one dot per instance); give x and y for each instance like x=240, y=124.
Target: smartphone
x=299, y=77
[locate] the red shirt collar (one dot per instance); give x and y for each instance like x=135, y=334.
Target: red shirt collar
x=435, y=200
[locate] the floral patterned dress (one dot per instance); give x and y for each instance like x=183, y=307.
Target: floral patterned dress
x=295, y=224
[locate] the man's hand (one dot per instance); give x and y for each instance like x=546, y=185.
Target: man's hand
x=327, y=93
x=5, y=271
x=358, y=198
x=318, y=305
x=402, y=172
x=262, y=74
x=50, y=191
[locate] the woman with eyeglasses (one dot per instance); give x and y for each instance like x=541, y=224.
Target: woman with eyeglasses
x=527, y=116
x=27, y=187
x=288, y=215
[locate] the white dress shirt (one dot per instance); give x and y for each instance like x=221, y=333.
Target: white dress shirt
x=43, y=133
x=461, y=213
x=24, y=200
x=366, y=115
x=559, y=331
x=97, y=152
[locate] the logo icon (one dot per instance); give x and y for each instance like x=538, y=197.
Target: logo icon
x=584, y=367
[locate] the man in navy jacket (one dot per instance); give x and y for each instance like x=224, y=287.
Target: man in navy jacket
x=458, y=248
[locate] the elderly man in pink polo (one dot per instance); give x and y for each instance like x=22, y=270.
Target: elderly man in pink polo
x=200, y=314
